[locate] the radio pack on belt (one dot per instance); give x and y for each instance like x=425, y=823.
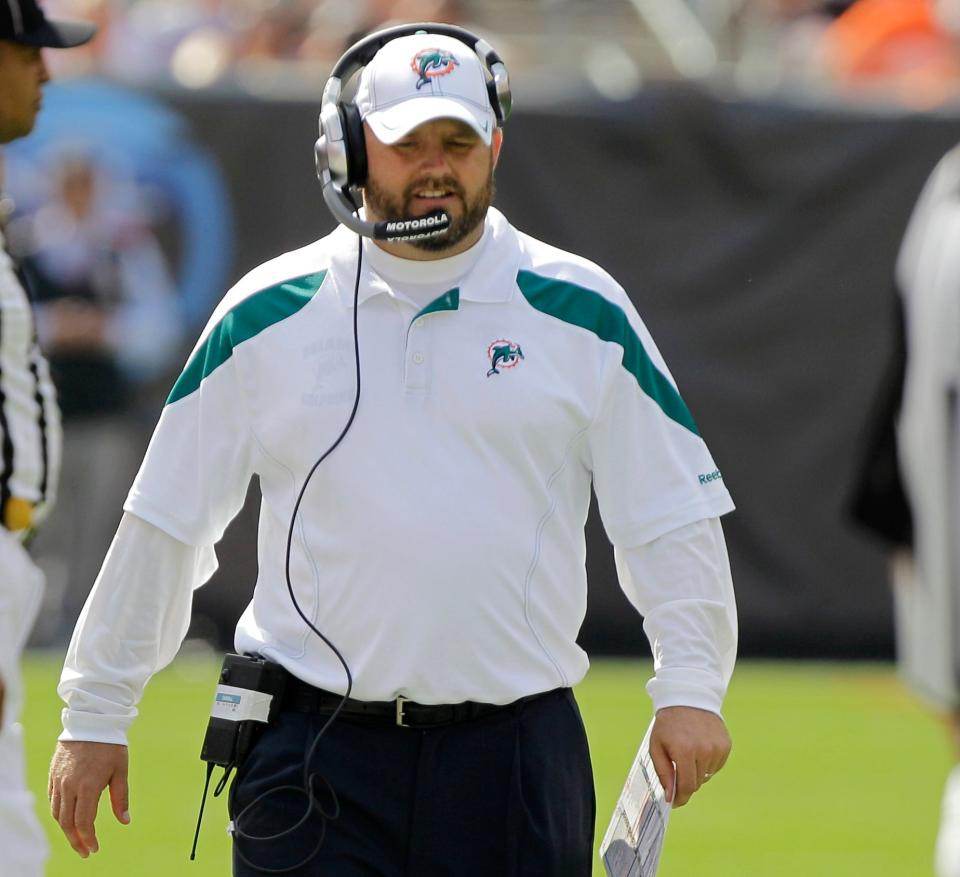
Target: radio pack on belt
x=246, y=700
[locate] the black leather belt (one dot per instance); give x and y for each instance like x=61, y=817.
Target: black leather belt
x=303, y=698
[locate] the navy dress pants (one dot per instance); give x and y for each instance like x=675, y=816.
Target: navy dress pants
x=507, y=795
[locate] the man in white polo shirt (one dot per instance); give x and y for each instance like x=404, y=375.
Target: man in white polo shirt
x=432, y=525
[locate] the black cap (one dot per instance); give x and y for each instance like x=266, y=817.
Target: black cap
x=23, y=21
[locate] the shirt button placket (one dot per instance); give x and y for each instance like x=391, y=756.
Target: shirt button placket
x=417, y=361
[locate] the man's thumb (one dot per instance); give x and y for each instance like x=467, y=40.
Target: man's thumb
x=664, y=767
x=120, y=797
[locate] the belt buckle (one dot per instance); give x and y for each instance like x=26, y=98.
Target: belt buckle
x=401, y=702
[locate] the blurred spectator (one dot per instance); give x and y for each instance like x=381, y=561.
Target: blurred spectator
x=386, y=13
x=108, y=319
x=179, y=185
x=772, y=43
x=909, y=49
x=201, y=43
x=901, y=49
x=802, y=25
x=277, y=31
x=331, y=25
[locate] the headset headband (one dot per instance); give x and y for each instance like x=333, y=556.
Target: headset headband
x=361, y=53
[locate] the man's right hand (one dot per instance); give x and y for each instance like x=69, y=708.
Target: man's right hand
x=79, y=772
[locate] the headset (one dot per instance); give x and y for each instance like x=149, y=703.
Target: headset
x=340, y=152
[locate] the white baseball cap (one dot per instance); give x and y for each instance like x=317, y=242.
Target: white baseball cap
x=417, y=78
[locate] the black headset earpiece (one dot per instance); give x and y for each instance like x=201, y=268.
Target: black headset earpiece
x=354, y=145
x=340, y=151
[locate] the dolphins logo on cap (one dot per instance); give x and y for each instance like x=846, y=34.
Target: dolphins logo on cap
x=430, y=63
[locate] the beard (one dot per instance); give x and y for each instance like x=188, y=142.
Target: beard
x=475, y=209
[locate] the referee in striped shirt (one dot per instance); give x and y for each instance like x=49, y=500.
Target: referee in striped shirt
x=30, y=435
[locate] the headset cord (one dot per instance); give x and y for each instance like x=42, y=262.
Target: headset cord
x=307, y=789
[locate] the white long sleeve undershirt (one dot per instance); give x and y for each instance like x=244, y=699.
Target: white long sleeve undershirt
x=131, y=627
x=139, y=609
x=681, y=584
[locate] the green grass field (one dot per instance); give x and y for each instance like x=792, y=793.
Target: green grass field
x=836, y=772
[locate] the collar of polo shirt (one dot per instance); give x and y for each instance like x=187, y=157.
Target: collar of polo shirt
x=484, y=281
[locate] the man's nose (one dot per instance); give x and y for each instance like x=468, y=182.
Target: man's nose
x=434, y=156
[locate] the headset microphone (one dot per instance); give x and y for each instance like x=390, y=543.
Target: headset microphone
x=435, y=223
x=431, y=225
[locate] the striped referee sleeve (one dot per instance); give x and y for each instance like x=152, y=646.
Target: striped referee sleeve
x=30, y=430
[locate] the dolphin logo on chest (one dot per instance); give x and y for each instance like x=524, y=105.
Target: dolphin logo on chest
x=503, y=354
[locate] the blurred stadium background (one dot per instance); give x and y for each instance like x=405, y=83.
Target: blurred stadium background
x=745, y=168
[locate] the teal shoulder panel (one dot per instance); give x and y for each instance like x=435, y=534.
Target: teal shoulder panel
x=249, y=318
x=589, y=310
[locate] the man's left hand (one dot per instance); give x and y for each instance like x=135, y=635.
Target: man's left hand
x=694, y=740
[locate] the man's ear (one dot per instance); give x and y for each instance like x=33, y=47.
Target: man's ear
x=496, y=142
